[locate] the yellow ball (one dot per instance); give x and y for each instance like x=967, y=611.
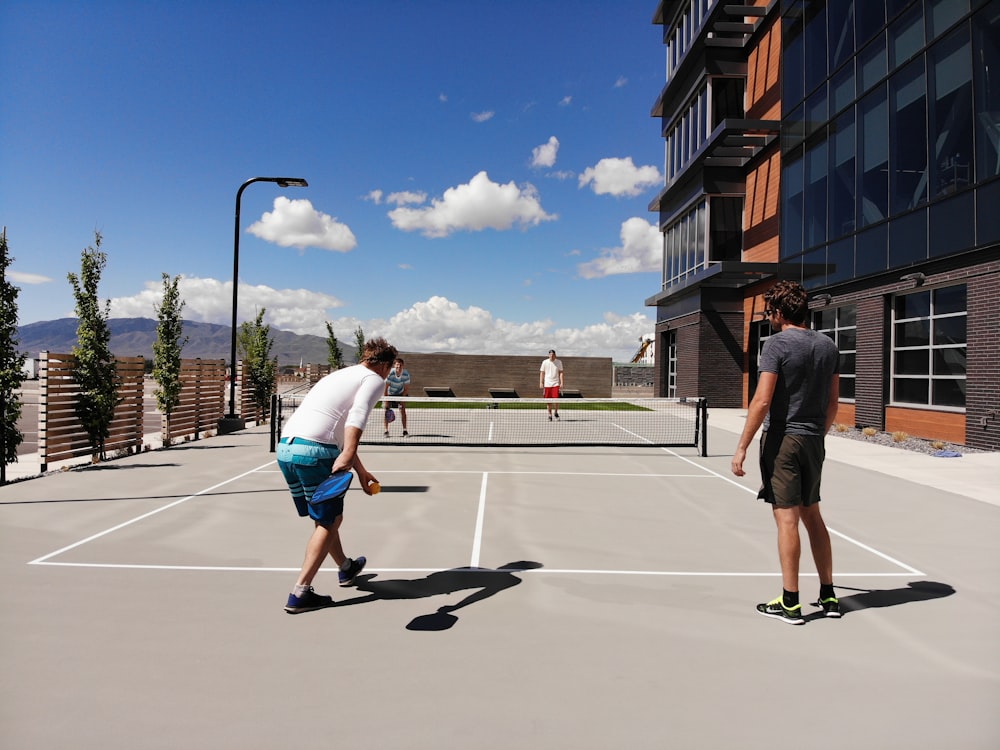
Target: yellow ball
x=375, y=487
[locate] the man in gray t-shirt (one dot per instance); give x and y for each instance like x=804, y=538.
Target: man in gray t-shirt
x=796, y=401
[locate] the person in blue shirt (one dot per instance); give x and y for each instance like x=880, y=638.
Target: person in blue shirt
x=396, y=384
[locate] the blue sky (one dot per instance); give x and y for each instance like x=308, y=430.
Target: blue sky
x=479, y=171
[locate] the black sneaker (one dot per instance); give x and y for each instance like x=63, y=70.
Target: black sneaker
x=550, y=417
x=776, y=608
x=385, y=434
x=356, y=566
x=405, y=433
x=309, y=601
x=557, y=415
x=831, y=606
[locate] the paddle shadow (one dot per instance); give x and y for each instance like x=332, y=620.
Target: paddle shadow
x=485, y=581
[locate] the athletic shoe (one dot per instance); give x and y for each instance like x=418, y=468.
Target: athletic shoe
x=347, y=576
x=557, y=415
x=385, y=434
x=776, y=608
x=550, y=417
x=405, y=433
x=831, y=606
x=309, y=601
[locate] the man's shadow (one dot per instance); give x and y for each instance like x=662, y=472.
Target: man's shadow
x=915, y=591
x=486, y=581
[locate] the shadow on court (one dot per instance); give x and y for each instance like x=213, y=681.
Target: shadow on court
x=919, y=591
x=486, y=581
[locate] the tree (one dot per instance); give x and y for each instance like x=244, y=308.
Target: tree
x=94, y=370
x=359, y=341
x=336, y=357
x=167, y=350
x=255, y=345
x=11, y=365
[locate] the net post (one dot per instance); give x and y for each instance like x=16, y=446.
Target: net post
x=703, y=406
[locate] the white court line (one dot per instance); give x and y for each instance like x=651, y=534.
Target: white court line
x=477, y=540
x=42, y=559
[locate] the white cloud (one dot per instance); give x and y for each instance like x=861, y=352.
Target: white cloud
x=211, y=301
x=641, y=252
x=479, y=204
x=481, y=116
x=405, y=197
x=621, y=82
x=620, y=177
x=565, y=101
x=20, y=277
x=545, y=155
x=375, y=196
x=440, y=325
x=562, y=174
x=442, y=97
x=297, y=224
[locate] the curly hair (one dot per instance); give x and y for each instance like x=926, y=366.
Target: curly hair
x=790, y=299
x=378, y=351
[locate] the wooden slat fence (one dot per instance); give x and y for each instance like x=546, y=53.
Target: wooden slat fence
x=60, y=434
x=202, y=404
x=248, y=409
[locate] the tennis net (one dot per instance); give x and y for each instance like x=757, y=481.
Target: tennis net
x=652, y=422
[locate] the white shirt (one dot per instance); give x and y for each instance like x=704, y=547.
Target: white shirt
x=551, y=368
x=343, y=398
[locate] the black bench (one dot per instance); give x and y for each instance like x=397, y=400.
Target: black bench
x=502, y=393
x=570, y=394
x=439, y=391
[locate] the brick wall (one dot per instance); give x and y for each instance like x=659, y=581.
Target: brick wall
x=869, y=406
x=982, y=407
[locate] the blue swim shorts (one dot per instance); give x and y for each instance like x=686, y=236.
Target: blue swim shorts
x=304, y=464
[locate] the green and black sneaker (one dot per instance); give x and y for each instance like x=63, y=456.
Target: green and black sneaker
x=776, y=608
x=831, y=606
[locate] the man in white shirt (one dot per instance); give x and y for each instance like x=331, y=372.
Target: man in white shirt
x=320, y=438
x=550, y=380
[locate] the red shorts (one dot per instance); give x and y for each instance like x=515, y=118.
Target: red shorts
x=551, y=391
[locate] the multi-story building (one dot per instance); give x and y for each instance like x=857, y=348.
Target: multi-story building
x=852, y=145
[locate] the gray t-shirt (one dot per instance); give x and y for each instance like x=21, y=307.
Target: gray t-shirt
x=805, y=362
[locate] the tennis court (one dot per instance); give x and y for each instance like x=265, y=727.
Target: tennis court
x=542, y=597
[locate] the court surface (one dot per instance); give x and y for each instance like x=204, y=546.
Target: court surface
x=515, y=598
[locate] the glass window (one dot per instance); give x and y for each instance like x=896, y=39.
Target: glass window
x=816, y=54
x=906, y=36
x=842, y=192
x=950, y=113
x=840, y=324
x=815, y=201
x=840, y=261
x=870, y=251
x=841, y=23
x=792, y=207
x=869, y=18
x=842, y=88
x=872, y=63
x=908, y=239
x=816, y=110
x=986, y=50
x=793, y=57
x=793, y=129
x=814, y=268
x=874, y=137
x=952, y=227
x=908, y=110
x=929, y=347
x=943, y=13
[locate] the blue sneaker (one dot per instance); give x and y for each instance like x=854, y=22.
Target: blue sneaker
x=309, y=601
x=356, y=566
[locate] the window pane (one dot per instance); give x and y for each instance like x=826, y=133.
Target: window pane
x=842, y=193
x=848, y=315
x=872, y=64
x=816, y=55
x=814, y=268
x=815, y=202
x=986, y=47
x=913, y=305
x=841, y=24
x=846, y=387
x=949, y=299
x=816, y=109
x=791, y=208
x=842, y=88
x=951, y=224
x=906, y=36
x=870, y=17
x=943, y=13
x=908, y=101
x=908, y=239
x=824, y=319
x=870, y=251
x=847, y=363
x=913, y=333
x=949, y=330
x=849, y=339
x=793, y=63
x=914, y=362
x=874, y=136
x=910, y=391
x=950, y=132
x=840, y=261
x=950, y=361
x=949, y=392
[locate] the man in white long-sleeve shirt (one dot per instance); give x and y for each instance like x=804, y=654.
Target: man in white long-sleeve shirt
x=320, y=438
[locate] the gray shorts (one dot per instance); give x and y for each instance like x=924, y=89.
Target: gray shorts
x=791, y=467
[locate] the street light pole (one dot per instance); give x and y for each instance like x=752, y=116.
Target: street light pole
x=231, y=421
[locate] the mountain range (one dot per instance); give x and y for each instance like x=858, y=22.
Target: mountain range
x=132, y=337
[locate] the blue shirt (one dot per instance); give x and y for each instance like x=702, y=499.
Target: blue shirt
x=397, y=382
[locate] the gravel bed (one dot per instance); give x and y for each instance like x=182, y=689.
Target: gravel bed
x=917, y=445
